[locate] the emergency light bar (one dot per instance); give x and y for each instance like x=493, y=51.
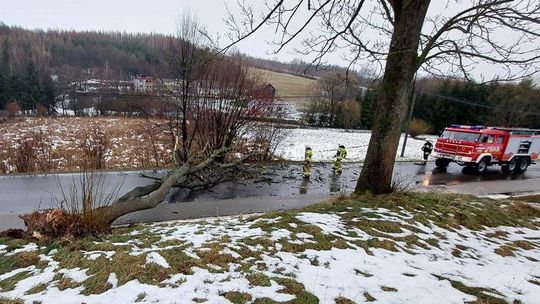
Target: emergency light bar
x=477, y=127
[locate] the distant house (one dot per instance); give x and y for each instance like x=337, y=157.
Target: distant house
x=143, y=84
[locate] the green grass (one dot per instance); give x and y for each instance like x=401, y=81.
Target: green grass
x=237, y=297
x=37, y=289
x=10, y=301
x=140, y=297
x=369, y=298
x=343, y=300
x=9, y=284
x=258, y=279
x=19, y=260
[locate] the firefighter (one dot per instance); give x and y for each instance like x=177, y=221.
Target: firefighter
x=340, y=155
x=307, y=162
x=427, y=148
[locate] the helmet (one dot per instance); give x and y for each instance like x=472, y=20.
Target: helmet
x=341, y=146
x=308, y=147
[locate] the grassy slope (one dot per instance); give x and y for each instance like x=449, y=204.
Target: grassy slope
x=178, y=242
x=295, y=88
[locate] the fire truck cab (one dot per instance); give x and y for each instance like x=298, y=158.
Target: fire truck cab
x=478, y=147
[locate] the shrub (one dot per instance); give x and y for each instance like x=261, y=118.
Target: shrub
x=41, y=110
x=32, y=153
x=25, y=159
x=96, y=148
x=350, y=114
x=13, y=109
x=419, y=127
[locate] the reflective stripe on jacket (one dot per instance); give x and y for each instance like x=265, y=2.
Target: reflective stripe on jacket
x=308, y=155
x=341, y=153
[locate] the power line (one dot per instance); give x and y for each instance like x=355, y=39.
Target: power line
x=472, y=103
x=447, y=98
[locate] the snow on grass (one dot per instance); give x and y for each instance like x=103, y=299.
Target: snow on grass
x=93, y=255
x=26, y=248
x=58, y=143
x=329, y=223
x=437, y=251
x=76, y=274
x=113, y=280
x=325, y=142
x=156, y=258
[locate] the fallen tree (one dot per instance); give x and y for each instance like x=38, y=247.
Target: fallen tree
x=216, y=102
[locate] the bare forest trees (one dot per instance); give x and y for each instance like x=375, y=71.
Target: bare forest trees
x=443, y=38
x=330, y=92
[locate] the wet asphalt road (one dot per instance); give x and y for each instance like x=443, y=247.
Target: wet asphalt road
x=20, y=194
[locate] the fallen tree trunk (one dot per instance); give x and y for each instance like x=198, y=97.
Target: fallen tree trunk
x=55, y=223
x=147, y=197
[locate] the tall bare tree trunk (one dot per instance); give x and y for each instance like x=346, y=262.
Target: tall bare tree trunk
x=401, y=65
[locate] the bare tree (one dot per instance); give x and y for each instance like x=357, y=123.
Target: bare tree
x=350, y=113
x=331, y=90
x=401, y=37
x=186, y=61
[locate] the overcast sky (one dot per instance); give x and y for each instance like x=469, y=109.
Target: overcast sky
x=159, y=16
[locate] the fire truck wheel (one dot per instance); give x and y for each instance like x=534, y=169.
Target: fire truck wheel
x=523, y=165
x=481, y=166
x=442, y=163
x=510, y=167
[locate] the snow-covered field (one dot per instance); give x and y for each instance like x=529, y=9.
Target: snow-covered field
x=58, y=144
x=61, y=144
x=325, y=254
x=325, y=142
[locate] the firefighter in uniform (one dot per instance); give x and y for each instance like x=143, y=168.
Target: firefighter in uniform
x=340, y=155
x=307, y=162
x=427, y=148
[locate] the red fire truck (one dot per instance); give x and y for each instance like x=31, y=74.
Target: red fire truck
x=478, y=147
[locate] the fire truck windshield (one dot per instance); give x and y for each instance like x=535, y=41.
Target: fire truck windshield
x=463, y=136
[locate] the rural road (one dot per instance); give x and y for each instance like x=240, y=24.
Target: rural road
x=275, y=187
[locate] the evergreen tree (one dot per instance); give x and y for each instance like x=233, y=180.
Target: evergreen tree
x=5, y=75
x=367, y=108
x=48, y=93
x=31, y=93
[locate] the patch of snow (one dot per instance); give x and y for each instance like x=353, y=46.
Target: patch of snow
x=76, y=274
x=94, y=255
x=156, y=258
x=329, y=223
x=230, y=252
x=496, y=196
x=276, y=235
x=113, y=280
x=303, y=235
x=25, y=248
